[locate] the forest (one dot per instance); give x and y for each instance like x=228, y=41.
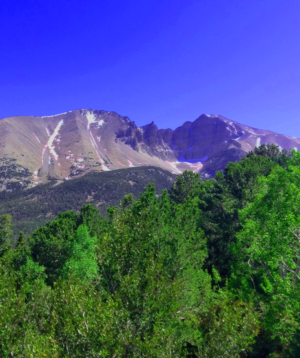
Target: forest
x=207, y=269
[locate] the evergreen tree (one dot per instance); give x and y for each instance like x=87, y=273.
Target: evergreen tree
x=5, y=233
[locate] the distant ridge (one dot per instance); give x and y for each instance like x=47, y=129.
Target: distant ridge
x=36, y=150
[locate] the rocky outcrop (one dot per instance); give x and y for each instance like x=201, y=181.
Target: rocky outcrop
x=36, y=150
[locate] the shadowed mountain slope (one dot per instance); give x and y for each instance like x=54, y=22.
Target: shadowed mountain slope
x=36, y=206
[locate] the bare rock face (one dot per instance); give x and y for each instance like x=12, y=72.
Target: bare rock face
x=199, y=140
x=34, y=150
x=149, y=139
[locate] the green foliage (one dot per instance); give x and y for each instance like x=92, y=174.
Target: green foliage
x=209, y=269
x=268, y=252
x=90, y=216
x=265, y=150
x=228, y=328
x=5, y=233
x=82, y=262
x=50, y=245
x=35, y=207
x=186, y=184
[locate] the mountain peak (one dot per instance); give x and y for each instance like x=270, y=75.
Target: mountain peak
x=34, y=150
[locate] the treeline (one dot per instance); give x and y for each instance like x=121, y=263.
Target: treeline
x=35, y=207
x=208, y=269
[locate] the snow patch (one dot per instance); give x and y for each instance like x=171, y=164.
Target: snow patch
x=130, y=164
x=91, y=118
x=173, y=165
x=195, y=166
x=257, y=142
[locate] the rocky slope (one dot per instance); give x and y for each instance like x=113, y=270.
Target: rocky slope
x=36, y=206
x=36, y=150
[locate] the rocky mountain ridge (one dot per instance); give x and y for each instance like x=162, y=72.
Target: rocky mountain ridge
x=36, y=150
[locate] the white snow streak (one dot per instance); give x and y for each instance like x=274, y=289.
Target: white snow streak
x=55, y=115
x=50, y=142
x=37, y=138
x=195, y=167
x=51, y=139
x=122, y=164
x=104, y=167
x=257, y=142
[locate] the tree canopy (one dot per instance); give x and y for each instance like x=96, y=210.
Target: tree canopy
x=208, y=269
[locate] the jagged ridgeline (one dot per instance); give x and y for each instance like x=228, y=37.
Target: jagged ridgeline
x=36, y=150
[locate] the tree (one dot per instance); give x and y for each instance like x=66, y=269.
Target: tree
x=267, y=254
x=82, y=262
x=265, y=150
x=50, y=244
x=90, y=216
x=186, y=184
x=5, y=233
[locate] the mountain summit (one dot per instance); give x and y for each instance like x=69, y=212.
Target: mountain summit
x=34, y=150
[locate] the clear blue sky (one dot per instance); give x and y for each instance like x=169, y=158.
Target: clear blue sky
x=162, y=61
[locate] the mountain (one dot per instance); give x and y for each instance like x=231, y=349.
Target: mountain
x=36, y=150
x=36, y=206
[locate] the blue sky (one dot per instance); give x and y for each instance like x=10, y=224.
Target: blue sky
x=162, y=61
